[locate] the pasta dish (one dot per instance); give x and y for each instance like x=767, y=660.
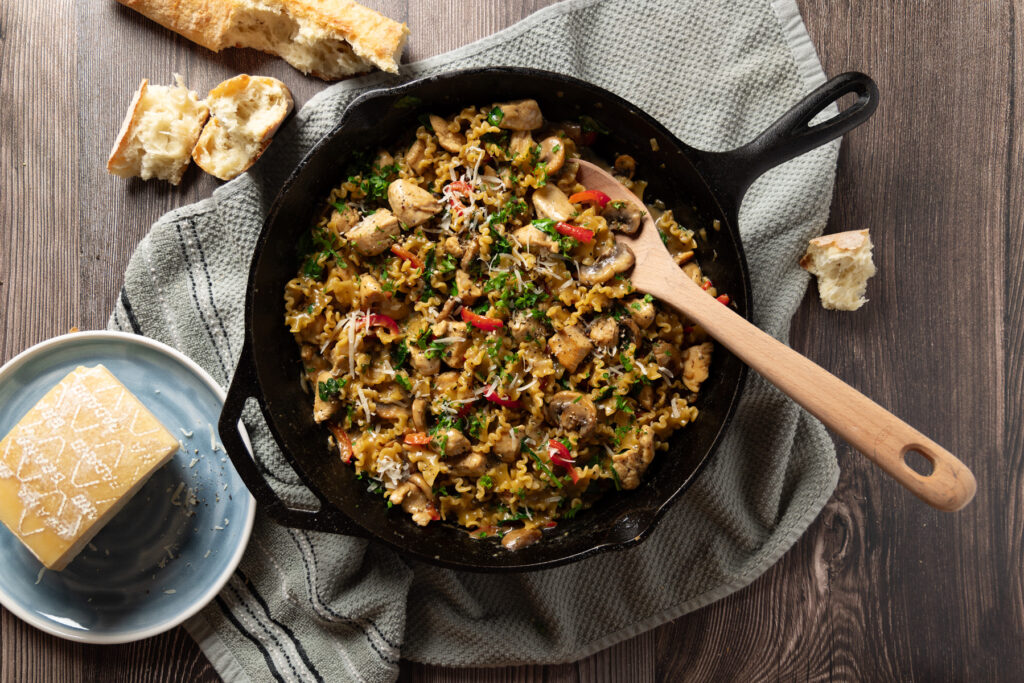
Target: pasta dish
x=469, y=332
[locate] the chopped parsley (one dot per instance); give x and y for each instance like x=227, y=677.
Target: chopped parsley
x=627, y=364
x=499, y=243
x=486, y=481
x=547, y=225
x=403, y=381
x=495, y=116
x=512, y=208
x=570, y=513
x=620, y=404
x=331, y=388
x=542, y=466
x=321, y=246
x=374, y=181
x=399, y=354
x=340, y=206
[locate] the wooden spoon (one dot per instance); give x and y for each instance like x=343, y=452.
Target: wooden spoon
x=868, y=427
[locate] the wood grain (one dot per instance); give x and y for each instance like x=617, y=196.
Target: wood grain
x=881, y=587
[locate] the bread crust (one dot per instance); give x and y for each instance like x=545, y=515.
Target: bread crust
x=205, y=22
x=851, y=240
x=117, y=163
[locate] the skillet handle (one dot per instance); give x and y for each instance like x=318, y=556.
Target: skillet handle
x=791, y=135
x=327, y=518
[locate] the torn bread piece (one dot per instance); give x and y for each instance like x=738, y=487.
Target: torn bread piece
x=330, y=39
x=842, y=263
x=246, y=111
x=158, y=133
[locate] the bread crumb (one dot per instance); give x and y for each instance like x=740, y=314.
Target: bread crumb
x=842, y=263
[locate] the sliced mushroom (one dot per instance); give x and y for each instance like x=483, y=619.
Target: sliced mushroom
x=552, y=154
x=341, y=222
x=618, y=260
x=632, y=463
x=469, y=291
x=452, y=141
x=472, y=465
x=423, y=365
x=472, y=249
x=550, y=202
x=623, y=216
x=570, y=346
x=412, y=204
x=447, y=309
x=533, y=238
x=646, y=397
x=370, y=291
x=323, y=409
x=573, y=412
x=419, y=414
x=642, y=311
x=520, y=538
x=451, y=443
x=625, y=165
x=507, y=447
x=521, y=115
x=696, y=361
x=604, y=331
x=665, y=355
x=525, y=327
x=375, y=233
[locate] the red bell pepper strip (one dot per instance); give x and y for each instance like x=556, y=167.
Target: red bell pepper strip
x=560, y=455
x=465, y=409
x=491, y=396
x=344, y=443
x=417, y=439
x=575, y=231
x=406, y=255
x=380, y=319
x=481, y=321
x=723, y=299
x=550, y=524
x=432, y=511
x=706, y=286
x=591, y=197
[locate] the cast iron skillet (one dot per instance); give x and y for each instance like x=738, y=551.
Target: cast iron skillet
x=700, y=186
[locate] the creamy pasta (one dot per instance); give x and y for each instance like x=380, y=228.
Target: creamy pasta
x=469, y=331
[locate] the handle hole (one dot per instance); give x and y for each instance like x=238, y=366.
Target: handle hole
x=919, y=462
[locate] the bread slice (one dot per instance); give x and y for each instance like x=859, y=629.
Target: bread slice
x=842, y=263
x=246, y=112
x=158, y=133
x=329, y=39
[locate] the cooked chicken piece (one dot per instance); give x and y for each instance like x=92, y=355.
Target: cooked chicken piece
x=370, y=291
x=641, y=311
x=469, y=291
x=415, y=156
x=525, y=327
x=451, y=140
x=570, y=347
x=446, y=381
x=646, y=397
x=618, y=260
x=391, y=412
x=507, y=447
x=450, y=443
x=534, y=238
x=394, y=308
x=454, y=353
x=421, y=364
x=630, y=465
x=622, y=216
x=411, y=204
x=416, y=498
x=573, y=412
x=520, y=144
x=550, y=202
x=323, y=410
x=520, y=538
x=472, y=465
x=552, y=154
x=521, y=115
x=696, y=361
x=341, y=222
x=692, y=271
x=375, y=233
x=419, y=414
x=604, y=331
x=472, y=249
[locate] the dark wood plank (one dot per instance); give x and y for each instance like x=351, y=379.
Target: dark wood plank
x=880, y=587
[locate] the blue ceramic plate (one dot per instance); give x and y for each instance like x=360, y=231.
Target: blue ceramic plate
x=175, y=544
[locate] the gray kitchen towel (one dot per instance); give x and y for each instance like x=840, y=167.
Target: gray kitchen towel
x=311, y=606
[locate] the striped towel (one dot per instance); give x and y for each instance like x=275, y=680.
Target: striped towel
x=311, y=606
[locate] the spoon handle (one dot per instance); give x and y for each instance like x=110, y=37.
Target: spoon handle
x=874, y=431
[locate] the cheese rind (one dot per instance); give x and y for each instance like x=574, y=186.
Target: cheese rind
x=74, y=460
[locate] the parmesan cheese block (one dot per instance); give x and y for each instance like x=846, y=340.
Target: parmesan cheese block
x=74, y=460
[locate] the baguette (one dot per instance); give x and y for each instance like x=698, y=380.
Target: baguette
x=159, y=131
x=329, y=39
x=842, y=263
x=245, y=111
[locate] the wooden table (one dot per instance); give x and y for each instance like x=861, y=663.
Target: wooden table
x=880, y=587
